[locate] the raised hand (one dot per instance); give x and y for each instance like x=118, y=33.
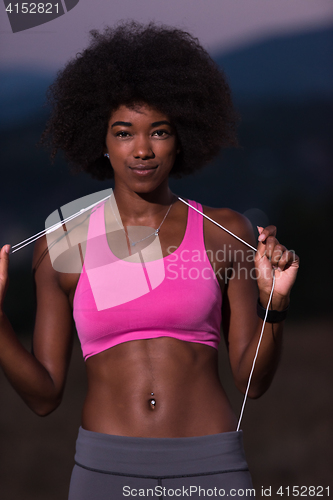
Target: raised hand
x=272, y=256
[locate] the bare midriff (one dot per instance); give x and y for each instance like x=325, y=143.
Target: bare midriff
x=160, y=387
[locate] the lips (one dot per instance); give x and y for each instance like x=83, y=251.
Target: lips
x=143, y=167
x=143, y=170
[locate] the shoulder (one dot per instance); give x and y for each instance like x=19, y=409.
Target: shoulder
x=52, y=283
x=40, y=251
x=63, y=248
x=231, y=220
x=41, y=261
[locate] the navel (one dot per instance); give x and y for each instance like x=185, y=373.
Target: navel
x=152, y=401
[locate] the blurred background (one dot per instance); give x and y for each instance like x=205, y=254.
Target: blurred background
x=278, y=60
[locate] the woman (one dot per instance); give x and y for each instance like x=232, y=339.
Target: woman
x=140, y=104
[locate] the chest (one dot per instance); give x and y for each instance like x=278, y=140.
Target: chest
x=188, y=248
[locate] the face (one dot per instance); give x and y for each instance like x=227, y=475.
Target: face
x=142, y=146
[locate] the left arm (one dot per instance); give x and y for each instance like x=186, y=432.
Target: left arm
x=240, y=321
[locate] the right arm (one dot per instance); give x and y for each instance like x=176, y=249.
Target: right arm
x=39, y=378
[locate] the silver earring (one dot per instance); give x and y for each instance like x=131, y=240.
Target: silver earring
x=107, y=155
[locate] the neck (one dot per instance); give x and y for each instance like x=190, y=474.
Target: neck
x=143, y=206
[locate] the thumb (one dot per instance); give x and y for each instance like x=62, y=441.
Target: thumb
x=4, y=261
x=4, y=254
x=5, y=251
x=261, y=247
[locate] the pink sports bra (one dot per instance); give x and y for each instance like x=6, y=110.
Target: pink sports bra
x=118, y=301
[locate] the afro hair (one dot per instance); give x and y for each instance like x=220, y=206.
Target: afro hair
x=163, y=67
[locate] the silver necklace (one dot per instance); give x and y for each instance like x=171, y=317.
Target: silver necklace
x=155, y=232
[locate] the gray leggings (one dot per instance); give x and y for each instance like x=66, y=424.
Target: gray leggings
x=118, y=467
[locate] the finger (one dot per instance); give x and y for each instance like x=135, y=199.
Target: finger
x=4, y=261
x=270, y=244
x=5, y=249
x=277, y=253
x=266, y=232
x=266, y=248
x=288, y=259
x=4, y=256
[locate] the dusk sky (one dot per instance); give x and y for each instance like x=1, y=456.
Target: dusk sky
x=220, y=25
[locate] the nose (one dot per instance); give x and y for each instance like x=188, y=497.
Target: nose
x=143, y=148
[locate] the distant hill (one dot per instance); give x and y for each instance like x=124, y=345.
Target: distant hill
x=286, y=67
x=22, y=95
x=283, y=68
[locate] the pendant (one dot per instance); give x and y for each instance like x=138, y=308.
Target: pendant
x=156, y=232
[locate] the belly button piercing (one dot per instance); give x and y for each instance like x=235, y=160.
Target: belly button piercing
x=152, y=403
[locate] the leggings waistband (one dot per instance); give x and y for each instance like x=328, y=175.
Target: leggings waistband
x=160, y=457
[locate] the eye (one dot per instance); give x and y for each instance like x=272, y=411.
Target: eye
x=122, y=133
x=161, y=133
